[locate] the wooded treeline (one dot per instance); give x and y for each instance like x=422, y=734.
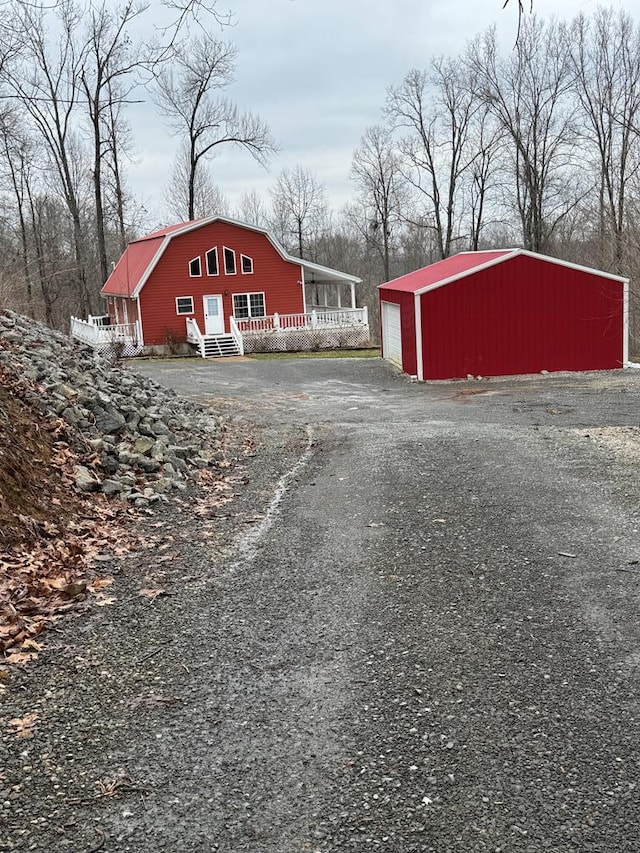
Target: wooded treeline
x=533, y=145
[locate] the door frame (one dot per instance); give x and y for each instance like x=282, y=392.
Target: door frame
x=385, y=312
x=217, y=296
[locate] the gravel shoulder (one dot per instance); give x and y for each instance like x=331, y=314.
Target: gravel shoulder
x=424, y=638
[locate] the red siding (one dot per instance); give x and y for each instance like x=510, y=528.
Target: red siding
x=406, y=301
x=522, y=316
x=279, y=280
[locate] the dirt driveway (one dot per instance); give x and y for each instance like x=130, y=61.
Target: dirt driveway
x=416, y=629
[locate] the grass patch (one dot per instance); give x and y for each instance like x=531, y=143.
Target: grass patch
x=329, y=353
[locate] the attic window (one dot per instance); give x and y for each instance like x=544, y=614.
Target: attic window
x=229, y=261
x=246, y=264
x=195, y=269
x=212, y=261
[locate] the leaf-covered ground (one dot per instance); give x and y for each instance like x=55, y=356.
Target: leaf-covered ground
x=49, y=534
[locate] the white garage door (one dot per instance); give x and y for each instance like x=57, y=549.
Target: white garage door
x=391, y=337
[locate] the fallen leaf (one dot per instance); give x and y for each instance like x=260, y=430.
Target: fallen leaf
x=24, y=725
x=20, y=658
x=100, y=583
x=151, y=593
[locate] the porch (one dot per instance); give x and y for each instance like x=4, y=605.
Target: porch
x=322, y=327
x=119, y=340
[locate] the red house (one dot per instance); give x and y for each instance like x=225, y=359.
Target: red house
x=500, y=313
x=223, y=286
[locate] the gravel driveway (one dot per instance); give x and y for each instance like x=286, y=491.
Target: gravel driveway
x=416, y=629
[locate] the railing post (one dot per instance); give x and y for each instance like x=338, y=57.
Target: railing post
x=276, y=321
x=314, y=318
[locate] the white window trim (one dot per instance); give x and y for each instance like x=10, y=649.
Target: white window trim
x=248, y=295
x=199, y=259
x=226, y=249
x=214, y=249
x=242, y=270
x=184, y=313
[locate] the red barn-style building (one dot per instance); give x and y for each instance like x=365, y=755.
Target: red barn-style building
x=208, y=280
x=501, y=313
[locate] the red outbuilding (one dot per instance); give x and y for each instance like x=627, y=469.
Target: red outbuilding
x=501, y=313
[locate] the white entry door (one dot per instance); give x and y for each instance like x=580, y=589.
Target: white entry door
x=213, y=316
x=391, y=333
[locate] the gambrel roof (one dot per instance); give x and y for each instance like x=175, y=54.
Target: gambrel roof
x=142, y=256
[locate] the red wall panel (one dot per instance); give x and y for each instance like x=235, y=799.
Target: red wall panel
x=522, y=316
x=278, y=279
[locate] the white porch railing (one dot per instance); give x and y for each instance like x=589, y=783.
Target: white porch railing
x=236, y=334
x=317, y=318
x=126, y=336
x=194, y=335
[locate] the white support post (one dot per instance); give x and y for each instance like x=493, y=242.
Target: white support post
x=276, y=321
x=314, y=318
x=353, y=294
x=339, y=287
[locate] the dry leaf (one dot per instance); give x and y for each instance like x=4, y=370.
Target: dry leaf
x=20, y=658
x=24, y=725
x=101, y=583
x=151, y=593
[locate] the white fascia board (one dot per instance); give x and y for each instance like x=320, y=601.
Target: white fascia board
x=625, y=324
x=274, y=242
x=417, y=308
x=492, y=263
x=512, y=253
x=192, y=226
x=150, y=268
x=140, y=319
x=569, y=265
x=304, y=291
x=335, y=274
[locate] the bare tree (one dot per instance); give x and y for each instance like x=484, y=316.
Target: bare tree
x=529, y=94
x=376, y=171
x=42, y=78
x=118, y=146
x=486, y=139
x=434, y=109
x=605, y=56
x=204, y=197
x=187, y=93
x=521, y=10
x=252, y=209
x=105, y=78
x=18, y=158
x=299, y=208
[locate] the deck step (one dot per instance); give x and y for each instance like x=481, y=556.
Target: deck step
x=219, y=346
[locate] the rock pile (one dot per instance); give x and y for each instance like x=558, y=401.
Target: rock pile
x=133, y=438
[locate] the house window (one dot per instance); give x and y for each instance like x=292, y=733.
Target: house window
x=184, y=304
x=247, y=305
x=195, y=268
x=212, y=261
x=229, y=261
x=246, y=264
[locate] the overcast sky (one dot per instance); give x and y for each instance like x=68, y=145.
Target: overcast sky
x=317, y=71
